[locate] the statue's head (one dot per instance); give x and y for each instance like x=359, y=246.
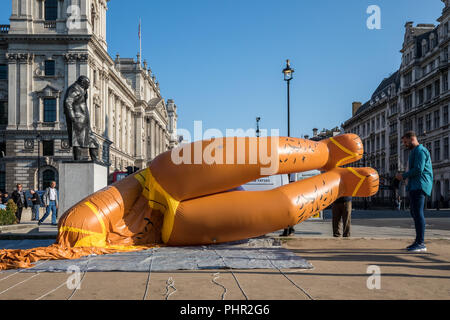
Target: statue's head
x=84, y=82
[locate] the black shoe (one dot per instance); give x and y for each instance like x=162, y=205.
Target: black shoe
x=39, y=222
x=291, y=231
x=409, y=247
x=285, y=233
x=54, y=224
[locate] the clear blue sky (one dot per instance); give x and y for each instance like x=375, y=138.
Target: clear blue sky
x=221, y=60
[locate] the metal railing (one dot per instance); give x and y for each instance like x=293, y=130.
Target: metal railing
x=50, y=24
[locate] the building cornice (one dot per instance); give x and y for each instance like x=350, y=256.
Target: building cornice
x=47, y=37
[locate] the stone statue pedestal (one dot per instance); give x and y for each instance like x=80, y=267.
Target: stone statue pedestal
x=77, y=180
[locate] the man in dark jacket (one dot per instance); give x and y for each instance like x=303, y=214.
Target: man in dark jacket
x=36, y=200
x=19, y=199
x=342, y=211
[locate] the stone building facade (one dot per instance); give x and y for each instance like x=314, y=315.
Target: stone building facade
x=46, y=47
x=415, y=97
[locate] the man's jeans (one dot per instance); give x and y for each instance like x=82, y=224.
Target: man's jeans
x=417, y=202
x=35, y=211
x=52, y=207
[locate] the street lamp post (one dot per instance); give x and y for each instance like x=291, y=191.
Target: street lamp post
x=38, y=138
x=288, y=76
x=258, y=132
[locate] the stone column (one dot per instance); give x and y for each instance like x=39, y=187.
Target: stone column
x=25, y=61
x=163, y=144
x=152, y=138
x=109, y=116
x=83, y=65
x=130, y=133
x=158, y=141
x=59, y=113
x=138, y=121
x=12, y=91
x=124, y=129
x=119, y=124
x=71, y=70
x=117, y=116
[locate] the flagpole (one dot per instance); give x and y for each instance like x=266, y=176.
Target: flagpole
x=140, y=43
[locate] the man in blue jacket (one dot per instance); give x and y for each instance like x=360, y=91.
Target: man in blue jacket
x=420, y=183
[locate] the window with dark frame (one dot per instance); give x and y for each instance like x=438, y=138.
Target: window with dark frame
x=420, y=98
x=50, y=68
x=3, y=112
x=437, y=119
x=48, y=148
x=428, y=146
x=408, y=102
x=428, y=122
x=51, y=10
x=3, y=181
x=445, y=115
x=437, y=88
x=50, y=110
x=3, y=72
x=429, y=92
x=420, y=125
x=437, y=150
x=2, y=149
x=446, y=150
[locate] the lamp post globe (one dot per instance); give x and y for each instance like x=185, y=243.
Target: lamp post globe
x=288, y=71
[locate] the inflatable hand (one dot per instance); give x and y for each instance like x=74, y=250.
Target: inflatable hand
x=183, y=197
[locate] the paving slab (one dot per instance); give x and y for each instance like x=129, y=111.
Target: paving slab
x=341, y=269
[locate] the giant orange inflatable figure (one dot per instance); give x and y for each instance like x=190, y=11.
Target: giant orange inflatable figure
x=186, y=199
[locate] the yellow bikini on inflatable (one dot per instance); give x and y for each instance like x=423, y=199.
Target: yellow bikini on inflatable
x=188, y=203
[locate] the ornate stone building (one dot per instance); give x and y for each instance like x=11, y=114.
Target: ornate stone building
x=46, y=47
x=416, y=97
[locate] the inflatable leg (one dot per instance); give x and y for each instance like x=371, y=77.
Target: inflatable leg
x=190, y=171
x=116, y=217
x=239, y=215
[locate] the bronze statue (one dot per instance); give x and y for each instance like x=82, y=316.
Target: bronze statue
x=77, y=118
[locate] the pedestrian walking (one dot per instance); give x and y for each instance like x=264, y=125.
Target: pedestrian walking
x=36, y=200
x=420, y=184
x=398, y=203
x=51, y=203
x=342, y=214
x=19, y=199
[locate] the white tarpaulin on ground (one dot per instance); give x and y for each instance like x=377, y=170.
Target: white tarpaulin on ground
x=261, y=253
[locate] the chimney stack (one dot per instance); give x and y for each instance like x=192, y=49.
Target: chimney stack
x=355, y=107
x=315, y=130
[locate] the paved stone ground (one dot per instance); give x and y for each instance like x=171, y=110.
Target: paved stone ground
x=340, y=269
x=340, y=273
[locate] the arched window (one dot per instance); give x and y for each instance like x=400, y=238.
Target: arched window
x=51, y=10
x=48, y=176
